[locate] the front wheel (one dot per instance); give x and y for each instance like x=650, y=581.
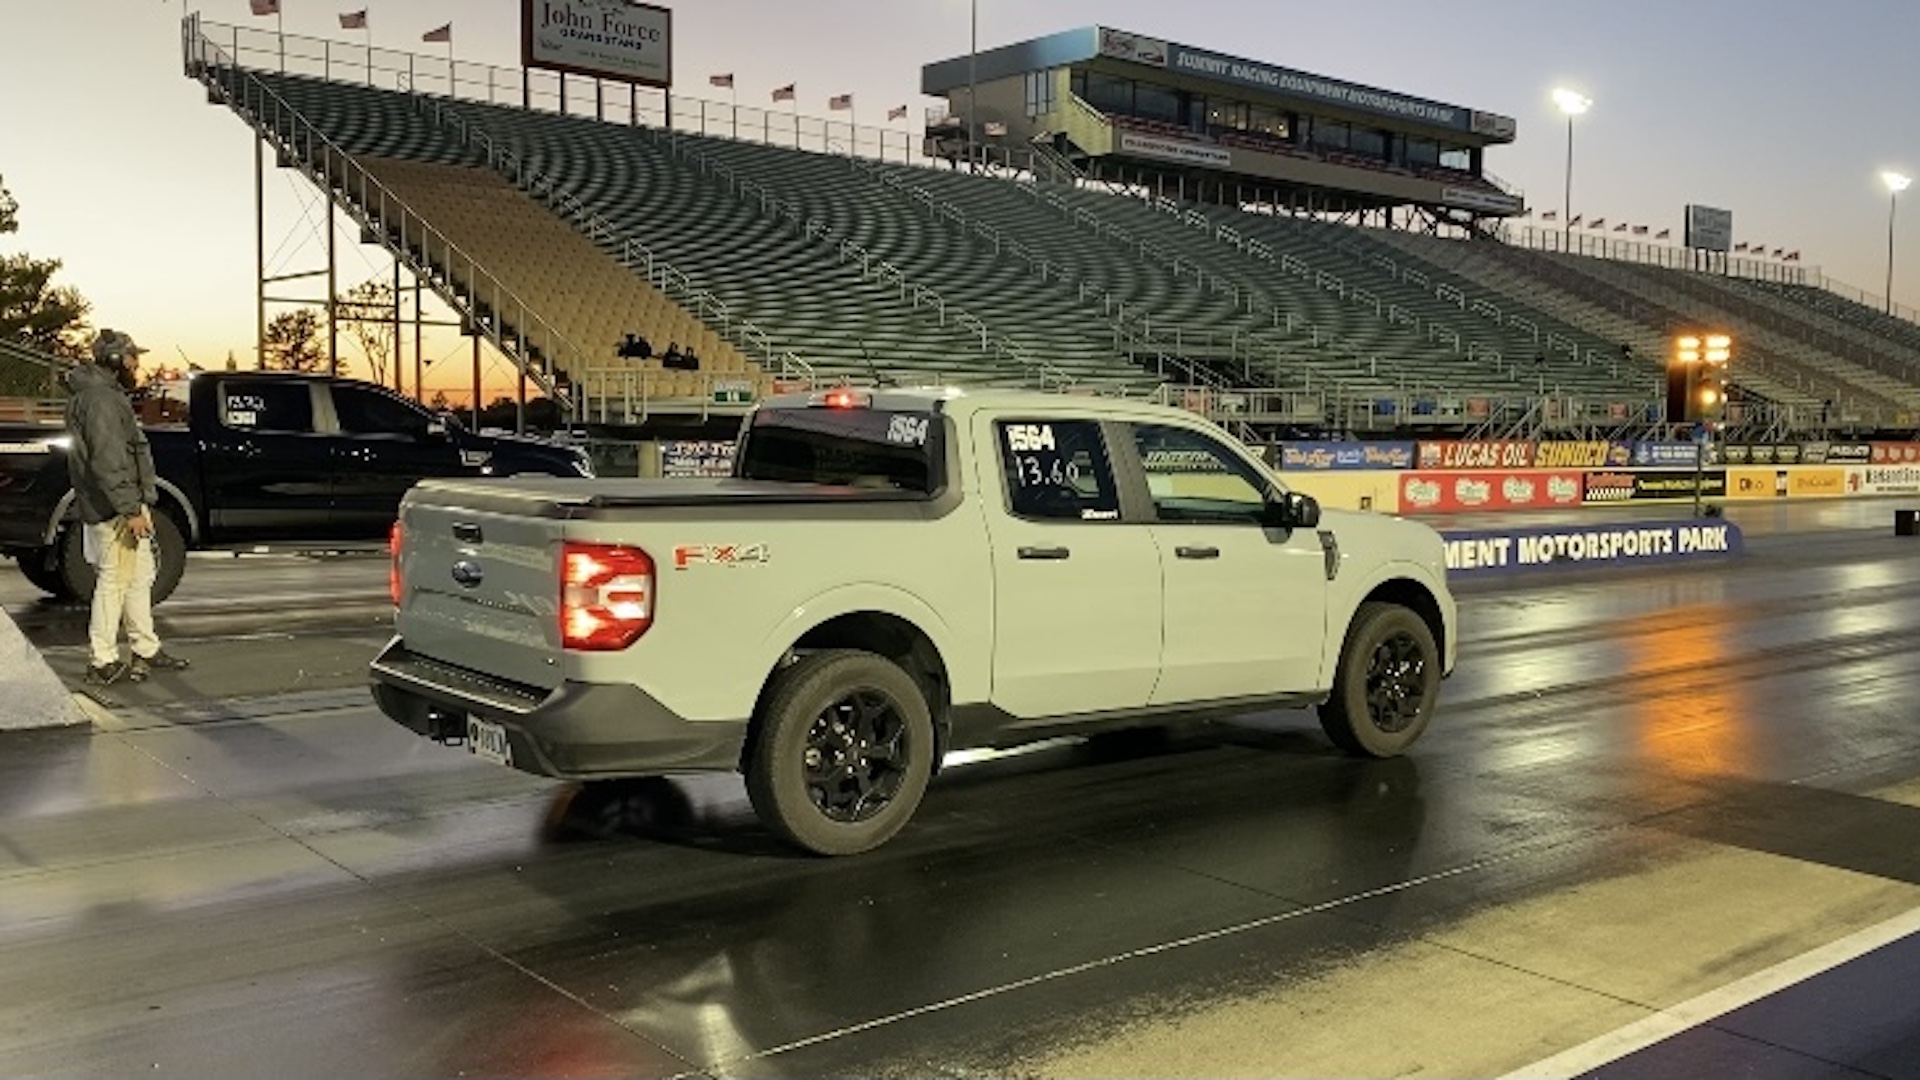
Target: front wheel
x=1385, y=685
x=844, y=752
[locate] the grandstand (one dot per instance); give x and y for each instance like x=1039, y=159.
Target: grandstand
x=1276, y=249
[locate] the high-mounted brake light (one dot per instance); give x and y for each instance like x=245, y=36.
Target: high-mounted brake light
x=843, y=399
x=606, y=596
x=394, y=538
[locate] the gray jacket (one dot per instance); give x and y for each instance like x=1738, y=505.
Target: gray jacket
x=110, y=464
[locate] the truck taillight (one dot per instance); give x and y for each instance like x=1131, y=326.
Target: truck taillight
x=606, y=596
x=394, y=537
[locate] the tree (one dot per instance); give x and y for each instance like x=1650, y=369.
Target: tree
x=367, y=310
x=293, y=342
x=33, y=310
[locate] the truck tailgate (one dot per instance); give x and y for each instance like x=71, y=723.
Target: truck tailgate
x=480, y=581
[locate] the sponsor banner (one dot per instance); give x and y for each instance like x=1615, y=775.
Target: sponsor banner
x=1884, y=480
x=1346, y=455
x=1476, y=455
x=1798, y=482
x=1751, y=483
x=608, y=39
x=1619, y=485
x=1472, y=551
x=1709, y=228
x=1835, y=453
x=1657, y=454
x=1469, y=492
x=1153, y=146
x=1759, y=453
x=1480, y=199
x=1895, y=453
x=1135, y=47
x=1494, y=125
x=1597, y=454
x=696, y=457
x=1299, y=84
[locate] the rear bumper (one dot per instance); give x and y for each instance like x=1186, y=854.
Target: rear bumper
x=579, y=731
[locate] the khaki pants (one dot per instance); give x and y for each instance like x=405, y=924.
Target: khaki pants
x=124, y=593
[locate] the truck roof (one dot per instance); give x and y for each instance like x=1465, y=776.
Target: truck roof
x=960, y=401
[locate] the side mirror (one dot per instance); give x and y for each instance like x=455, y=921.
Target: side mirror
x=1291, y=510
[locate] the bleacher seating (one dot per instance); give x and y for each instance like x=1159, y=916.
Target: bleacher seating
x=585, y=295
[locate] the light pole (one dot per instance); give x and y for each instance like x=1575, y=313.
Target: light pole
x=973, y=63
x=1896, y=183
x=1573, y=104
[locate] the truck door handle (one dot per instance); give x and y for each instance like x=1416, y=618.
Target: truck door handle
x=1197, y=552
x=1044, y=553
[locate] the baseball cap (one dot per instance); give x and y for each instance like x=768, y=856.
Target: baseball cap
x=114, y=346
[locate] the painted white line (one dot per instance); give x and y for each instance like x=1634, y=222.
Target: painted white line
x=1666, y=1023
x=103, y=718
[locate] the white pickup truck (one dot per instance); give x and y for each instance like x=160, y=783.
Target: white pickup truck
x=894, y=574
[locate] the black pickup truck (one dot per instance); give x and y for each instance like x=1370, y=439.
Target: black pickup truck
x=263, y=458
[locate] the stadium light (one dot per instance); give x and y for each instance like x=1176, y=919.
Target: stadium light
x=1573, y=103
x=1896, y=183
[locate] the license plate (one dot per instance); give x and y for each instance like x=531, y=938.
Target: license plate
x=489, y=741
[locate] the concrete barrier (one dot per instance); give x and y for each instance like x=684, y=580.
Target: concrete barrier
x=31, y=695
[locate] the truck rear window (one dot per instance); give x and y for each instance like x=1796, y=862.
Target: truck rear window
x=878, y=449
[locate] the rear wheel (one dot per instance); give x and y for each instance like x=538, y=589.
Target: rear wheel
x=37, y=566
x=1386, y=682
x=844, y=752
x=77, y=575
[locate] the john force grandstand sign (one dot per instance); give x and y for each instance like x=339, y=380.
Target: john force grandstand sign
x=605, y=39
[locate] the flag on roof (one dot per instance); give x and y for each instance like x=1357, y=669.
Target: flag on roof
x=1639, y=230
x=899, y=113
x=1622, y=227
x=1663, y=234
x=1597, y=223
x=841, y=102
x=445, y=33
x=353, y=20
x=722, y=80
x=265, y=7
x=1793, y=256
x=1550, y=215
x=1575, y=220
x=1740, y=247
x=785, y=93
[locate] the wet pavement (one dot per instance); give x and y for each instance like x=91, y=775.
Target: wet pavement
x=1640, y=789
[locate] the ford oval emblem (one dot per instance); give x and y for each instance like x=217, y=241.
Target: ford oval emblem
x=468, y=573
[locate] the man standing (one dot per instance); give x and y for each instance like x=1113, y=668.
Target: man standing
x=111, y=469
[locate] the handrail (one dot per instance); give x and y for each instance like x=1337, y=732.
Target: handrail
x=372, y=209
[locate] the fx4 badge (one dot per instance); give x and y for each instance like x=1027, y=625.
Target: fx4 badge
x=688, y=556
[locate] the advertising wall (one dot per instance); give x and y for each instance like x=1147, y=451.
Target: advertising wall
x=1471, y=551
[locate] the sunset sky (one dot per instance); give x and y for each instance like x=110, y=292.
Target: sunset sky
x=1784, y=112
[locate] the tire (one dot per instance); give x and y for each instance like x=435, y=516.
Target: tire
x=70, y=554
x=818, y=784
x=37, y=566
x=1385, y=685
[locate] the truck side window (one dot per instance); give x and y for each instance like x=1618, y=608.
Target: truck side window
x=1057, y=470
x=366, y=412
x=1193, y=478
x=282, y=407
